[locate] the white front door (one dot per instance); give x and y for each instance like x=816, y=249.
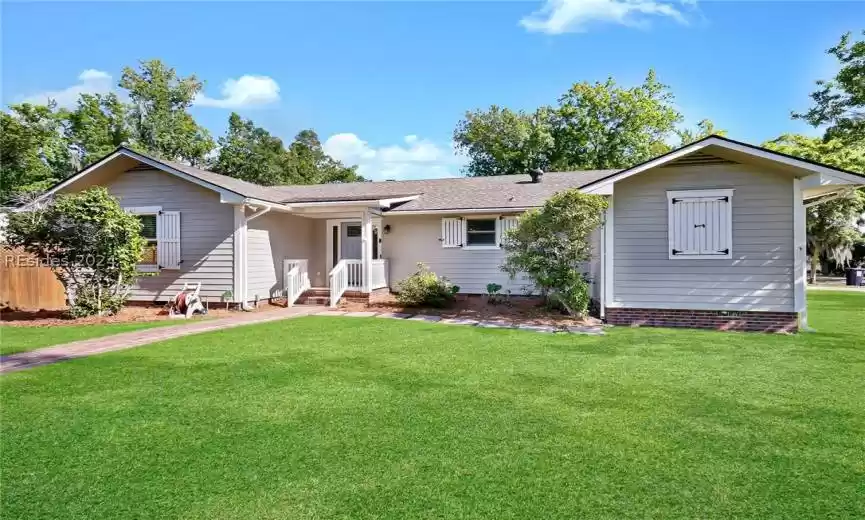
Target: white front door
x=350, y=244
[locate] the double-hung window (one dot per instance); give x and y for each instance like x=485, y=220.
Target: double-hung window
x=148, y=233
x=481, y=232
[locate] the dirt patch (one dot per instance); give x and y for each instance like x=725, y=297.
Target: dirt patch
x=523, y=309
x=129, y=314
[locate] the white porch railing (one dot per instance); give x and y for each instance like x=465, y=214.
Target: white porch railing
x=346, y=275
x=379, y=274
x=295, y=278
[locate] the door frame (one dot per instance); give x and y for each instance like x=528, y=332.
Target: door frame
x=329, y=247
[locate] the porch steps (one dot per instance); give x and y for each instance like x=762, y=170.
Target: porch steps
x=321, y=296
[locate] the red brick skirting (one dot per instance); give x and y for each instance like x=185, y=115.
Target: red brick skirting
x=699, y=319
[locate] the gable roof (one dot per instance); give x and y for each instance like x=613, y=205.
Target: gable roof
x=501, y=192
x=729, y=144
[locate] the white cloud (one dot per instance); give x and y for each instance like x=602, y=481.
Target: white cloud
x=415, y=159
x=563, y=16
x=91, y=81
x=245, y=91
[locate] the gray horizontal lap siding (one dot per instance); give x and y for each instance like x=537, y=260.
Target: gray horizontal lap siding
x=206, y=228
x=270, y=239
x=415, y=239
x=758, y=277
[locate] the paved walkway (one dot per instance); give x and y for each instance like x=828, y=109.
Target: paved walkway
x=88, y=347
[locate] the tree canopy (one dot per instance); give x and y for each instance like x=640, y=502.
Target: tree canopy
x=839, y=103
x=593, y=126
x=43, y=144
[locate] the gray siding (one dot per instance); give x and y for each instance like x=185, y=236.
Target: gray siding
x=758, y=277
x=206, y=228
x=416, y=239
x=271, y=238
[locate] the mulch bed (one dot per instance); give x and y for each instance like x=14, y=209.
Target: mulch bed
x=520, y=308
x=130, y=313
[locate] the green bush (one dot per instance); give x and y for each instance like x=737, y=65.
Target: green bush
x=425, y=289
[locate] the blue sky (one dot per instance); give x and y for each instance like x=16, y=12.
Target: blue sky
x=385, y=83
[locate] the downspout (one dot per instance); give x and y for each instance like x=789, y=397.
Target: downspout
x=244, y=304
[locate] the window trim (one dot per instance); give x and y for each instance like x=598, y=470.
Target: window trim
x=671, y=194
x=494, y=245
x=143, y=211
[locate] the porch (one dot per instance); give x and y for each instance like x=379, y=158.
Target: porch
x=316, y=252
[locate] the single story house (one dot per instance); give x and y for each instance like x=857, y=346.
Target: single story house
x=709, y=235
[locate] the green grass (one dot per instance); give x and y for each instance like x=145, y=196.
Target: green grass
x=371, y=418
x=21, y=339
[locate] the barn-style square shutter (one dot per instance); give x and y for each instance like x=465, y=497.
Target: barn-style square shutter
x=168, y=239
x=506, y=223
x=700, y=223
x=452, y=232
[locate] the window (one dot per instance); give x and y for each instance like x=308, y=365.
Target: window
x=481, y=232
x=352, y=231
x=161, y=233
x=700, y=224
x=148, y=232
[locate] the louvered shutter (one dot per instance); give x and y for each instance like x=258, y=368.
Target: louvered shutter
x=168, y=239
x=700, y=225
x=452, y=232
x=506, y=224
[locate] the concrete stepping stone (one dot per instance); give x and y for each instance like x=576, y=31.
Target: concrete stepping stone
x=361, y=314
x=393, y=315
x=547, y=329
x=425, y=317
x=496, y=325
x=459, y=321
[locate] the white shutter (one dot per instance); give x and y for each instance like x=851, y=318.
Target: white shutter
x=506, y=224
x=700, y=224
x=452, y=232
x=168, y=239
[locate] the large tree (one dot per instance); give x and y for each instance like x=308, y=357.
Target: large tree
x=97, y=126
x=830, y=226
x=311, y=165
x=593, y=126
x=160, y=122
x=839, y=103
x=250, y=153
x=602, y=125
x=499, y=141
x=34, y=153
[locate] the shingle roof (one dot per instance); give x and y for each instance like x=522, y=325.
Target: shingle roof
x=503, y=191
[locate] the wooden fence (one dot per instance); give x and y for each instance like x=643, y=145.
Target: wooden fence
x=27, y=285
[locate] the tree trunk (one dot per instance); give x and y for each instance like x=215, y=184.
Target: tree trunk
x=815, y=262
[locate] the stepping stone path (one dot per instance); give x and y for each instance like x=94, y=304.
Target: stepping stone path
x=590, y=330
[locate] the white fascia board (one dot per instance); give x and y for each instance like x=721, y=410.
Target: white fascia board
x=386, y=203
x=468, y=211
x=825, y=171
x=225, y=196
x=264, y=204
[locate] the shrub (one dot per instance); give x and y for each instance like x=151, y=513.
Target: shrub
x=549, y=244
x=425, y=288
x=89, y=241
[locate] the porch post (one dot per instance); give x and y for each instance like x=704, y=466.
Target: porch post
x=799, y=252
x=366, y=249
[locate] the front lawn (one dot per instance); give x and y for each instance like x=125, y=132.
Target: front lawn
x=20, y=339
x=372, y=418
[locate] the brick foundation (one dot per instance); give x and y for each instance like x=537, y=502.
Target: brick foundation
x=699, y=319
